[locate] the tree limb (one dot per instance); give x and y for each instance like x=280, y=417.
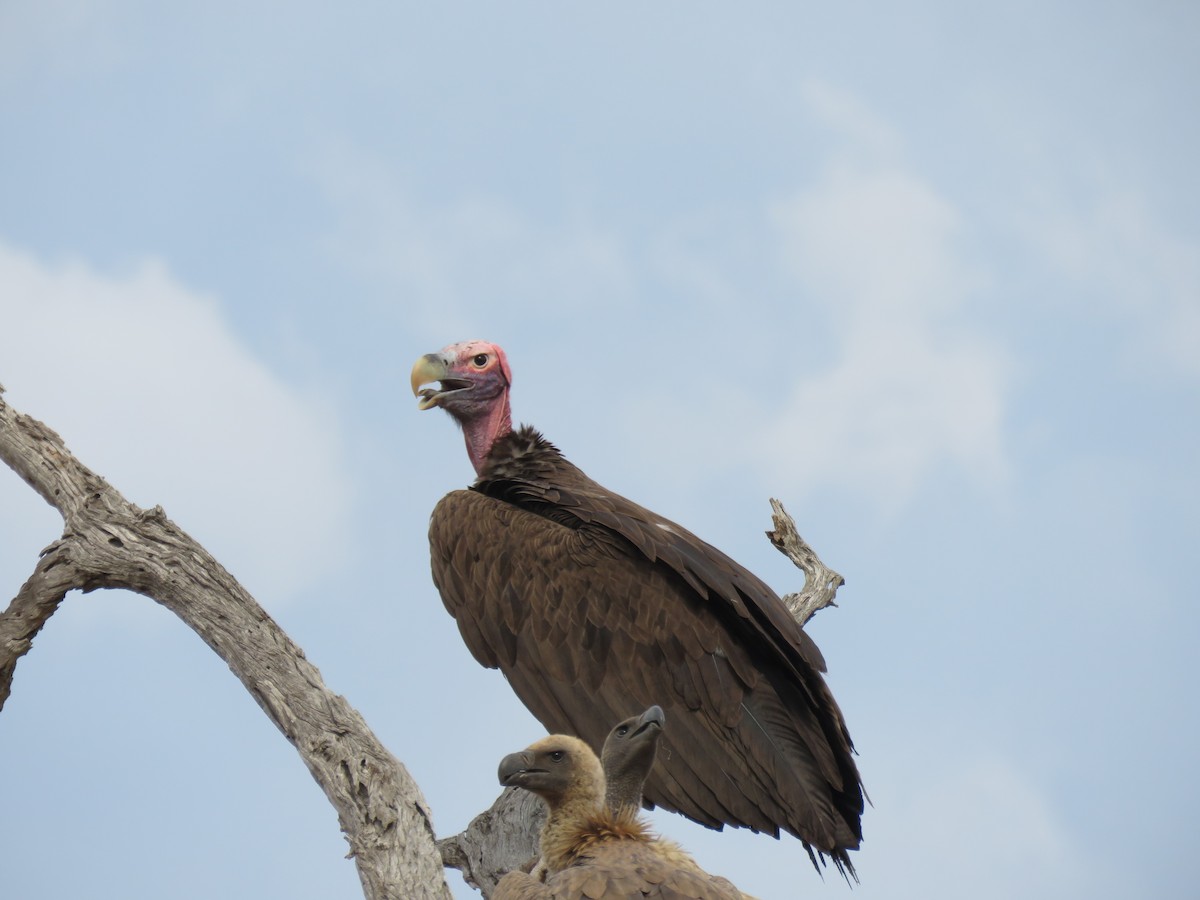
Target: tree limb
x=109, y=542
x=499, y=840
x=821, y=583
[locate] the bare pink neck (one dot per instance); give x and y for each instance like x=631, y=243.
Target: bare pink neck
x=481, y=433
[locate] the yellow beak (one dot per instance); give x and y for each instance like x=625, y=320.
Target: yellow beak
x=428, y=368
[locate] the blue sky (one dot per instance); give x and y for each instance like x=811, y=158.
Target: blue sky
x=931, y=276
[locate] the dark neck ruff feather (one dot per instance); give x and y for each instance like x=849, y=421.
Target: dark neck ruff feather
x=522, y=455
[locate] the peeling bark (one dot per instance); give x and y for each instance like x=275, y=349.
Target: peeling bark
x=499, y=840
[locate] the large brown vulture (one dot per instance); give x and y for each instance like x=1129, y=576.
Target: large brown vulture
x=589, y=851
x=590, y=604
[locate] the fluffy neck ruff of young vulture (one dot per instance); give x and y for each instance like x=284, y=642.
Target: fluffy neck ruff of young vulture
x=566, y=774
x=627, y=758
x=473, y=381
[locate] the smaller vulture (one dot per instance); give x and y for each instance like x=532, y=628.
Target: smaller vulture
x=591, y=852
x=627, y=758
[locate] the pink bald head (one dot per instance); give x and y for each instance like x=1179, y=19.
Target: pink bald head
x=474, y=378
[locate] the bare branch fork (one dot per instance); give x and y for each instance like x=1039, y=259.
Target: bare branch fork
x=108, y=542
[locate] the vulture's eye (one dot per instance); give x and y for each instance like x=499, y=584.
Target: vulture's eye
x=557, y=755
x=480, y=360
x=622, y=731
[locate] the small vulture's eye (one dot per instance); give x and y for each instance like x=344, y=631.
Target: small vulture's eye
x=480, y=360
x=622, y=731
x=557, y=755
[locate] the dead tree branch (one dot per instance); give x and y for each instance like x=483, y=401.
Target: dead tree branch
x=108, y=542
x=499, y=840
x=821, y=583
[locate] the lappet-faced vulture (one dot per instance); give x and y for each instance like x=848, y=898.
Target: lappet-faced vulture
x=590, y=604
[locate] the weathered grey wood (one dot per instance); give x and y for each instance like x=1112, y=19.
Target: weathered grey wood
x=821, y=583
x=499, y=840
x=108, y=542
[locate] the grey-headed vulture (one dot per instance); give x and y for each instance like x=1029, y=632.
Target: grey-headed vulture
x=590, y=604
x=628, y=756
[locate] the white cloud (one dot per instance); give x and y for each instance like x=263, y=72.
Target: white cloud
x=55, y=38
x=850, y=118
x=870, y=376
x=893, y=408
x=876, y=245
x=467, y=260
x=980, y=827
x=1134, y=267
x=911, y=386
x=148, y=387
